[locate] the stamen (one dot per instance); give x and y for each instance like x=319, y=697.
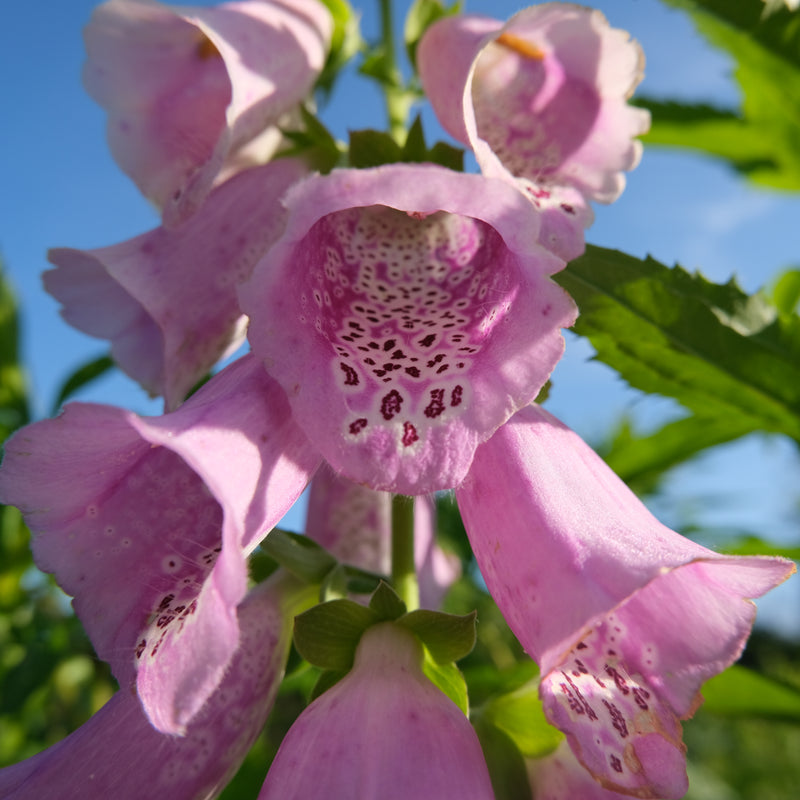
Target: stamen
x=206, y=49
x=521, y=46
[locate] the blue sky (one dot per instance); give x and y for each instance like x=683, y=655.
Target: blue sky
x=61, y=188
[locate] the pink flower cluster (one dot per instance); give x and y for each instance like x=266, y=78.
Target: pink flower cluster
x=402, y=322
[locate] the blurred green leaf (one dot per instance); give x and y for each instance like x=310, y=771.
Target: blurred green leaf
x=739, y=691
x=13, y=390
x=506, y=765
x=448, y=679
x=448, y=637
x=718, y=351
x=760, y=140
x=786, y=291
x=421, y=15
x=346, y=41
x=82, y=376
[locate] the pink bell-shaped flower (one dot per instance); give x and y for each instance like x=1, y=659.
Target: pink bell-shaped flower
x=541, y=99
x=147, y=522
x=407, y=311
x=186, y=87
x=383, y=732
x=167, y=299
x=625, y=618
x=119, y=754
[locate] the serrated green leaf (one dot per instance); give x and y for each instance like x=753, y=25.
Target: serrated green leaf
x=447, y=155
x=739, y=691
x=82, y=376
x=505, y=762
x=710, y=346
x=370, y=148
x=521, y=717
x=761, y=139
x=449, y=680
x=327, y=635
x=386, y=603
x=641, y=461
x=447, y=637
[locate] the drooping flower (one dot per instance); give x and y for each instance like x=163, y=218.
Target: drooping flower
x=119, y=754
x=354, y=523
x=147, y=523
x=541, y=99
x=407, y=312
x=625, y=618
x=167, y=299
x=185, y=87
x=384, y=730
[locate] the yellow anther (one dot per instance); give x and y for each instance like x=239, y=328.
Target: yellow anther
x=521, y=46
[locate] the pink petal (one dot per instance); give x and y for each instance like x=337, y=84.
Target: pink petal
x=167, y=299
x=354, y=524
x=118, y=754
x=625, y=617
x=560, y=776
x=184, y=87
x=383, y=731
x=407, y=313
x=147, y=523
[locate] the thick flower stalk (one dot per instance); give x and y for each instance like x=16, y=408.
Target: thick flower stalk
x=383, y=731
x=542, y=100
x=119, y=754
x=186, y=87
x=625, y=618
x=167, y=299
x=147, y=522
x=407, y=311
x=354, y=523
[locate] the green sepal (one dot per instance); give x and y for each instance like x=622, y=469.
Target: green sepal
x=414, y=150
x=386, y=603
x=449, y=680
x=300, y=555
x=327, y=679
x=327, y=635
x=314, y=143
x=346, y=579
x=82, y=376
x=506, y=764
x=421, y=15
x=520, y=716
x=369, y=148
x=447, y=637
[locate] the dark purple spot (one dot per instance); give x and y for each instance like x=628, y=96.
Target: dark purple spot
x=442, y=369
x=616, y=764
x=358, y=426
x=389, y=344
x=428, y=340
x=617, y=720
x=166, y=601
x=350, y=375
x=456, y=396
x=640, y=696
x=618, y=679
x=413, y=372
x=436, y=406
x=568, y=208
x=140, y=648
x=409, y=434
x=390, y=405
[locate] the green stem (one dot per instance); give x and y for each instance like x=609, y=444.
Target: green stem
x=394, y=92
x=404, y=573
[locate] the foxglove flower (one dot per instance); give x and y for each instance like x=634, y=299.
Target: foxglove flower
x=407, y=312
x=541, y=99
x=625, y=618
x=185, y=87
x=119, y=754
x=167, y=299
x=147, y=523
x=354, y=523
x=384, y=730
